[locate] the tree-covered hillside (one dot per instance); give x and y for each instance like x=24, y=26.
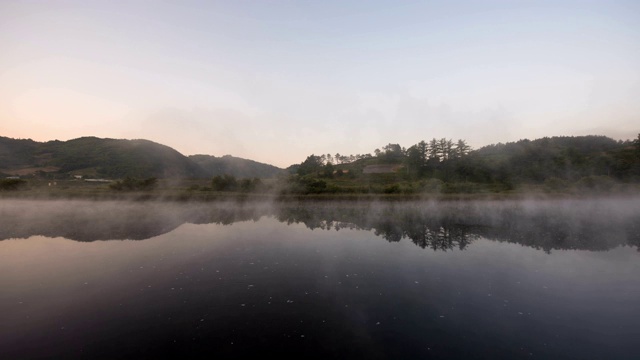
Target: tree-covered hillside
x=117, y=158
x=554, y=164
x=238, y=167
x=16, y=152
x=114, y=158
x=561, y=158
x=557, y=163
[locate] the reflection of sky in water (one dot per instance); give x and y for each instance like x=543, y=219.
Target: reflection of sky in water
x=258, y=288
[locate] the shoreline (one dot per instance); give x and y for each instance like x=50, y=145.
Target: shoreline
x=187, y=196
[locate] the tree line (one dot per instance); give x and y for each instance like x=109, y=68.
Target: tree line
x=416, y=157
x=594, y=163
x=440, y=149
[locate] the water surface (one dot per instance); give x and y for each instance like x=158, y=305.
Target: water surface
x=539, y=279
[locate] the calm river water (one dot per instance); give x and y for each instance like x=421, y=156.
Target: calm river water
x=406, y=280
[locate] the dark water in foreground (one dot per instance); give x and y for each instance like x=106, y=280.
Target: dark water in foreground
x=469, y=280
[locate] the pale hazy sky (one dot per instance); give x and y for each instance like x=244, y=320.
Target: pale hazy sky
x=275, y=81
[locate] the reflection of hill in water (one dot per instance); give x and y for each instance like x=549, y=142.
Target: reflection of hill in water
x=546, y=225
x=90, y=221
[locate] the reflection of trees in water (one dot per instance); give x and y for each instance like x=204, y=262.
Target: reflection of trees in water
x=426, y=233
x=445, y=226
x=438, y=226
x=391, y=223
x=550, y=232
x=443, y=238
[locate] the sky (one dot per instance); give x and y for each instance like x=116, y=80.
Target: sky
x=276, y=81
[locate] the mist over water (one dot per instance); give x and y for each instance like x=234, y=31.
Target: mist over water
x=596, y=224
x=456, y=279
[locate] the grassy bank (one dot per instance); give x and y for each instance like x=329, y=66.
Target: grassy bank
x=199, y=190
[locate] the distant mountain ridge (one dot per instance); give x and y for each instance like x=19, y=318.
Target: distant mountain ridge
x=118, y=158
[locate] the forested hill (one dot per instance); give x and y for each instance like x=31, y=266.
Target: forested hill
x=557, y=163
x=110, y=158
x=238, y=167
x=568, y=158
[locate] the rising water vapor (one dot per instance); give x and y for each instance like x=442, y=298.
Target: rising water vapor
x=594, y=224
